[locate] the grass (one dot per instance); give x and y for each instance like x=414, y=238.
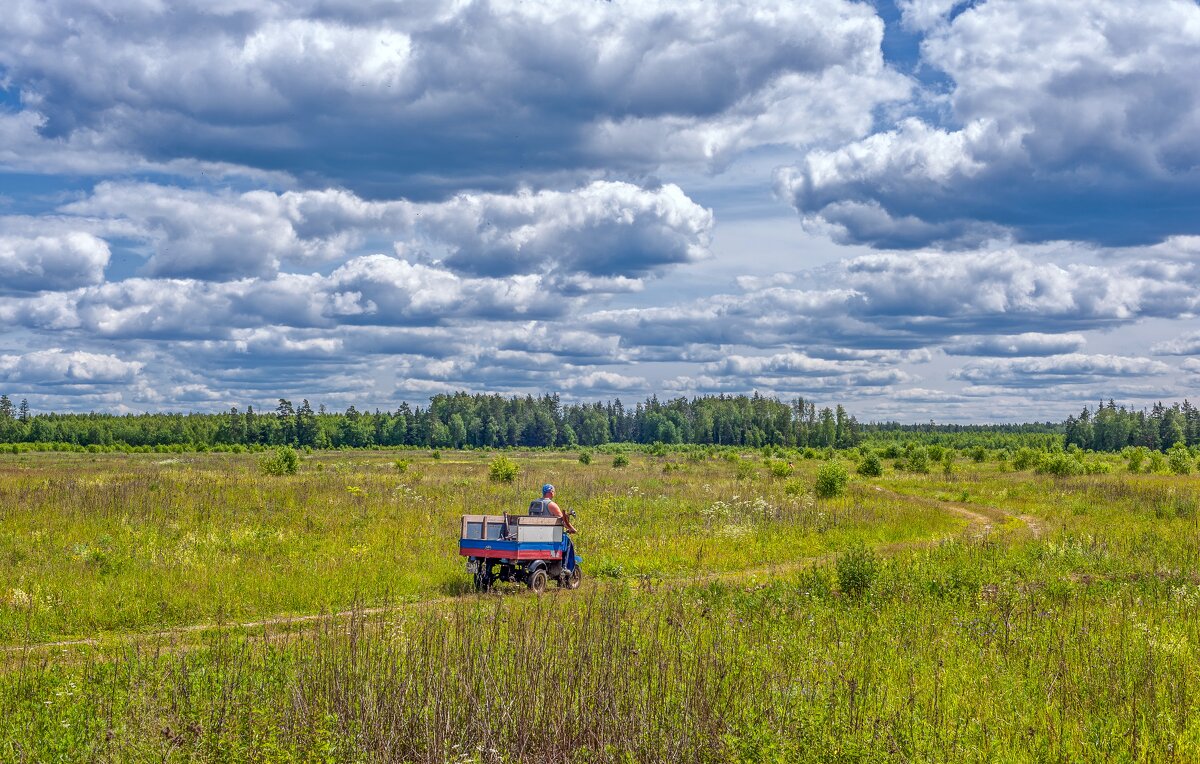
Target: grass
x=713, y=637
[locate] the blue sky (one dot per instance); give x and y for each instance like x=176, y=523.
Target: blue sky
x=927, y=209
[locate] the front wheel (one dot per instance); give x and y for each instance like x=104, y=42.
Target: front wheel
x=537, y=581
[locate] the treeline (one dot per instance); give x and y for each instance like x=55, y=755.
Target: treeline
x=1112, y=428
x=492, y=421
x=456, y=421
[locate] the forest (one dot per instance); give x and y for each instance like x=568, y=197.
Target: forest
x=461, y=420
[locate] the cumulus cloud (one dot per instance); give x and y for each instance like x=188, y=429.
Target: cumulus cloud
x=54, y=262
x=602, y=237
x=446, y=96
x=1069, y=368
x=1065, y=117
x=1026, y=344
x=1184, y=344
x=57, y=367
x=908, y=301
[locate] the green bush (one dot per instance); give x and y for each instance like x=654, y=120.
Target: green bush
x=1179, y=459
x=745, y=470
x=503, y=470
x=831, y=480
x=585, y=457
x=870, y=466
x=1025, y=458
x=779, y=469
x=978, y=454
x=917, y=461
x=856, y=569
x=282, y=461
x=1137, y=457
x=401, y=465
x=1059, y=465
x=794, y=488
x=620, y=460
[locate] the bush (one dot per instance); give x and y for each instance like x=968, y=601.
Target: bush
x=779, y=469
x=870, y=466
x=831, y=480
x=401, y=465
x=794, y=488
x=917, y=461
x=283, y=461
x=585, y=457
x=1136, y=456
x=978, y=454
x=856, y=569
x=745, y=470
x=1179, y=459
x=1025, y=458
x=436, y=455
x=892, y=451
x=620, y=460
x=1059, y=465
x=503, y=470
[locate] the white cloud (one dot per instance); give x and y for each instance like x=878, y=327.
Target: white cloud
x=56, y=367
x=1066, y=117
x=52, y=262
x=1069, y=368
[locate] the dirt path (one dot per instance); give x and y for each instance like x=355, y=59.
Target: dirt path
x=981, y=520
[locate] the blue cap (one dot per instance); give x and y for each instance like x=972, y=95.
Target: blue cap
x=547, y=488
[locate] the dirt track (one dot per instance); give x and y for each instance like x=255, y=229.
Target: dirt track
x=981, y=521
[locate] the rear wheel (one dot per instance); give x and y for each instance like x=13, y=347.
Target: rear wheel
x=537, y=581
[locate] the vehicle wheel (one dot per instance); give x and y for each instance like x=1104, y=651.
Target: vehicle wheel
x=537, y=581
x=576, y=578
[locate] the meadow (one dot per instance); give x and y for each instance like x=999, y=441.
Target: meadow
x=188, y=607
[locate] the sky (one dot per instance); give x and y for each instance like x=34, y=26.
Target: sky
x=923, y=210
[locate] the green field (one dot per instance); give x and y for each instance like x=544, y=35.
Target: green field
x=188, y=607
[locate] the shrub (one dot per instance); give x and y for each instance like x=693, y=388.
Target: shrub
x=282, y=461
x=401, y=465
x=1158, y=462
x=870, y=466
x=978, y=454
x=1179, y=459
x=1136, y=456
x=1059, y=465
x=436, y=455
x=831, y=480
x=917, y=461
x=585, y=457
x=503, y=470
x=892, y=451
x=948, y=462
x=779, y=469
x=936, y=453
x=1025, y=458
x=794, y=488
x=620, y=460
x=856, y=569
x=745, y=470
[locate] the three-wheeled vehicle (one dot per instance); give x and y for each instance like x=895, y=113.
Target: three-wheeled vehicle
x=519, y=548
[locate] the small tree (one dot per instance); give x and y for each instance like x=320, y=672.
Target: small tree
x=871, y=465
x=620, y=460
x=856, y=569
x=282, y=461
x=831, y=480
x=585, y=456
x=1179, y=459
x=503, y=470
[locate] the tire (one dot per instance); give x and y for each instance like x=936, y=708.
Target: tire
x=537, y=581
x=576, y=578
